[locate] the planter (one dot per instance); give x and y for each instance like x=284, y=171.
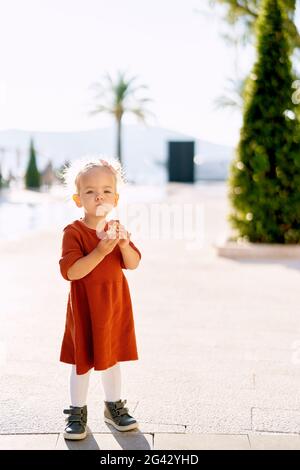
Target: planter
x=246, y=250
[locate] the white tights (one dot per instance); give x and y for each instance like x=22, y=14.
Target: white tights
x=111, y=381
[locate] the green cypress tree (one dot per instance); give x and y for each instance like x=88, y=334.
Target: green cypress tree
x=264, y=180
x=32, y=176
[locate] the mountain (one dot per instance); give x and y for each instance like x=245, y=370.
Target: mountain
x=144, y=150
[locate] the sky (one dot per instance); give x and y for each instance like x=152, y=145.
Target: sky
x=51, y=51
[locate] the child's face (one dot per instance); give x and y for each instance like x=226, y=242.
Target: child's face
x=96, y=191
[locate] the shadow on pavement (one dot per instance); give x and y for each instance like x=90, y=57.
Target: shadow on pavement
x=130, y=440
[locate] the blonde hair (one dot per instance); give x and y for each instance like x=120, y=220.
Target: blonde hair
x=71, y=172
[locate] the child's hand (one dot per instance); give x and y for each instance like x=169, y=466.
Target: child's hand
x=106, y=245
x=117, y=231
x=112, y=231
x=124, y=236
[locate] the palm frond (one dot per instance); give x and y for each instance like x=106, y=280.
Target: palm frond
x=224, y=101
x=120, y=95
x=100, y=109
x=233, y=96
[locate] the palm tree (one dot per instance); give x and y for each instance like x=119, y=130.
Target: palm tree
x=120, y=96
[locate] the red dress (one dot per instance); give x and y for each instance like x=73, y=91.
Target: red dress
x=99, y=329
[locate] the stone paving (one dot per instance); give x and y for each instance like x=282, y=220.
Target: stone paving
x=218, y=341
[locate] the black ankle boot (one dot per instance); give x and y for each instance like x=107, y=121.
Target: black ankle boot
x=76, y=422
x=116, y=414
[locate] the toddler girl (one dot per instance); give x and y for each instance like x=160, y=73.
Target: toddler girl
x=99, y=329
